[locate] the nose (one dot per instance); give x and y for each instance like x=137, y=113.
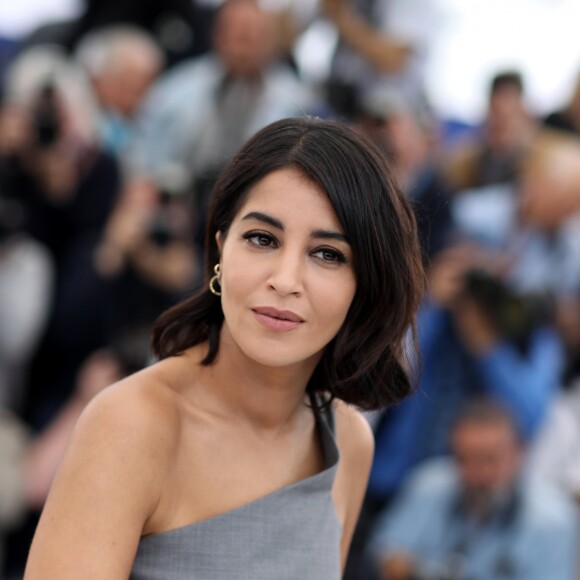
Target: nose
x=286, y=277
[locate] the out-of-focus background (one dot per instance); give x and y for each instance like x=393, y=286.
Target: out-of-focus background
x=471, y=41
x=115, y=120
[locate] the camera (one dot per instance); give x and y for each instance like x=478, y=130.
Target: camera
x=172, y=185
x=514, y=315
x=46, y=116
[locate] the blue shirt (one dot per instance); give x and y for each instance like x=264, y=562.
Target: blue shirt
x=536, y=542
x=419, y=427
x=178, y=122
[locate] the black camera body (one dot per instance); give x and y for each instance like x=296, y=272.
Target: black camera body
x=46, y=116
x=514, y=315
x=172, y=183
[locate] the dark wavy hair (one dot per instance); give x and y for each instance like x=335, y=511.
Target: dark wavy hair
x=362, y=365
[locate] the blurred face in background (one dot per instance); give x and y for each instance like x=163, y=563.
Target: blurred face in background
x=41, y=140
x=488, y=459
x=549, y=187
x=507, y=119
x=122, y=85
x=48, y=121
x=245, y=37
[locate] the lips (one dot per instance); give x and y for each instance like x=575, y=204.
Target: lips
x=277, y=320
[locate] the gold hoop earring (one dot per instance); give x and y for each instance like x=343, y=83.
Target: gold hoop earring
x=215, y=278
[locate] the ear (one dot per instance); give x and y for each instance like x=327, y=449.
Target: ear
x=219, y=241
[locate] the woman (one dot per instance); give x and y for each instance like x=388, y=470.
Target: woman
x=230, y=457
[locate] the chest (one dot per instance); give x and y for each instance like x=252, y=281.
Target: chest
x=216, y=471
x=247, y=510
x=292, y=533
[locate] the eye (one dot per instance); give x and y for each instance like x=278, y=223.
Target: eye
x=260, y=239
x=329, y=256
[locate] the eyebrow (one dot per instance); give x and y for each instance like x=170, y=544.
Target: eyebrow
x=324, y=234
x=328, y=235
x=262, y=217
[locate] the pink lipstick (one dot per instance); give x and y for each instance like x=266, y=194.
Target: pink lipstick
x=277, y=320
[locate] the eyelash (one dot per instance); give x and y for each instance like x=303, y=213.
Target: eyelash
x=257, y=235
x=337, y=257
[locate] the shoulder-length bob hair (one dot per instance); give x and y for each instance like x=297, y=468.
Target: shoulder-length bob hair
x=362, y=365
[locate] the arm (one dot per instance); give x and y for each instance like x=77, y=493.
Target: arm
x=107, y=487
x=125, y=240
x=171, y=268
x=356, y=445
x=398, y=567
x=525, y=384
x=446, y=282
x=384, y=53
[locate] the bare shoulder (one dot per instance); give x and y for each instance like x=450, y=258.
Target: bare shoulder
x=142, y=406
x=109, y=482
x=128, y=433
x=354, y=435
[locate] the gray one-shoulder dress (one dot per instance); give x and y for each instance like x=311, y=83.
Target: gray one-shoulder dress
x=291, y=534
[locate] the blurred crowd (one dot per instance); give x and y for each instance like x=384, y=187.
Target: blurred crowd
x=113, y=128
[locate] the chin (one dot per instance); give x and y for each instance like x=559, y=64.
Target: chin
x=276, y=355
x=273, y=351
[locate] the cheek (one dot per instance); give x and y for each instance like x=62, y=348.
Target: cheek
x=235, y=283
x=240, y=280
x=333, y=300
x=240, y=272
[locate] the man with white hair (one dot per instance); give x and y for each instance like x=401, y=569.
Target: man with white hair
x=122, y=62
x=205, y=109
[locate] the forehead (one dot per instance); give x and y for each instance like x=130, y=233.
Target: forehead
x=239, y=14
x=291, y=197
x=483, y=436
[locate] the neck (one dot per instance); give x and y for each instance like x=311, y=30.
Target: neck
x=247, y=78
x=265, y=398
x=483, y=506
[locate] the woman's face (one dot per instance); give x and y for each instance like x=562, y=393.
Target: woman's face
x=287, y=274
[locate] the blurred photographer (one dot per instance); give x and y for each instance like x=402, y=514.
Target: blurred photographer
x=476, y=515
x=465, y=352
x=150, y=231
x=470, y=282
x=497, y=152
x=63, y=188
x=50, y=161
x=147, y=250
